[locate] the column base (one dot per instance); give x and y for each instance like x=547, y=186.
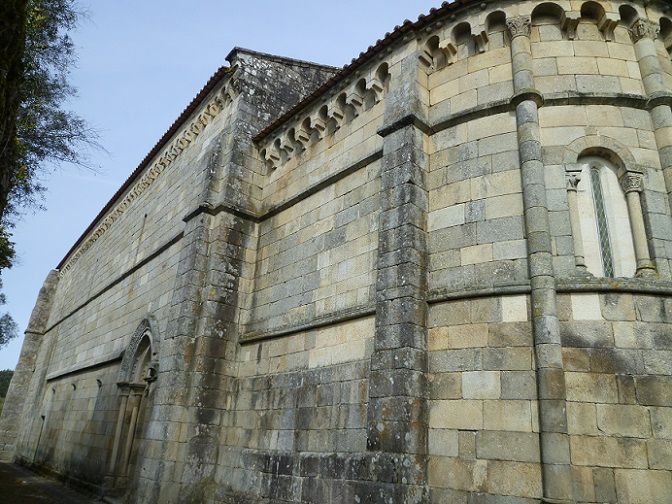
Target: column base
x=582, y=272
x=647, y=271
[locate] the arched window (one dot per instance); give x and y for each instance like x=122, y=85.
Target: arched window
x=605, y=222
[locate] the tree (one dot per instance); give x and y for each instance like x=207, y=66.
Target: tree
x=5, y=378
x=8, y=328
x=12, y=45
x=36, y=130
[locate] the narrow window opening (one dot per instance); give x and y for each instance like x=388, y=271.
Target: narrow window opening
x=606, y=230
x=602, y=223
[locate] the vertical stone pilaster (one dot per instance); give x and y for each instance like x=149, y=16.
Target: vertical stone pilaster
x=643, y=34
x=397, y=411
x=13, y=418
x=554, y=441
x=197, y=358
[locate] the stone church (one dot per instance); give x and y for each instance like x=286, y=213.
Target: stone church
x=440, y=274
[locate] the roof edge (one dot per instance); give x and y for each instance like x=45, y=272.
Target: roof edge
x=231, y=57
x=364, y=57
x=212, y=82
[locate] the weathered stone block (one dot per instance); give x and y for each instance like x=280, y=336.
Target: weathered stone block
x=481, y=385
x=456, y=414
x=622, y=420
x=502, y=445
x=643, y=487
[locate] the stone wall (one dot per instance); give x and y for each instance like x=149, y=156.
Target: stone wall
x=384, y=295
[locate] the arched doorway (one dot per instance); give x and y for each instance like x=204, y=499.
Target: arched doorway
x=137, y=372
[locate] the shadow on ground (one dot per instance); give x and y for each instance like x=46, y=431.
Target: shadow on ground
x=20, y=486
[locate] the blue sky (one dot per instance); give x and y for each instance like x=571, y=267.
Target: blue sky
x=140, y=63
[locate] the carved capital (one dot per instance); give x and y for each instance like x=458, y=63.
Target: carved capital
x=643, y=28
x=518, y=26
x=572, y=180
x=632, y=182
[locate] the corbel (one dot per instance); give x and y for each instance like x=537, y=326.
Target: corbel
x=607, y=24
x=374, y=84
x=272, y=156
x=354, y=99
x=335, y=112
x=302, y=134
x=569, y=22
x=481, y=41
x=318, y=124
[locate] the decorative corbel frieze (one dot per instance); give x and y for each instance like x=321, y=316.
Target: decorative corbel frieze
x=440, y=56
x=643, y=28
x=667, y=41
x=607, y=24
x=285, y=144
x=354, y=99
x=179, y=143
x=376, y=86
x=569, y=22
x=303, y=134
x=231, y=90
x=449, y=50
x=518, y=26
x=481, y=41
x=318, y=124
x=300, y=132
x=272, y=156
x=335, y=112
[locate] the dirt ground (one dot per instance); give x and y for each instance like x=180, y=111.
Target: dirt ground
x=20, y=486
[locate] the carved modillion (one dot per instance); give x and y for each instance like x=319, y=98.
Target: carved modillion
x=569, y=23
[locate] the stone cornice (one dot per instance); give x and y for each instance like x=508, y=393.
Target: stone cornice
x=326, y=116
x=181, y=142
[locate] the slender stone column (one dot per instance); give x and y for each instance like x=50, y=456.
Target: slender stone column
x=557, y=483
x=135, y=399
x=13, y=417
x=573, y=180
x=123, y=401
x=643, y=34
x=397, y=410
x=632, y=185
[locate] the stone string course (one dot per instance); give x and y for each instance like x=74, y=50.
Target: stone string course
x=383, y=297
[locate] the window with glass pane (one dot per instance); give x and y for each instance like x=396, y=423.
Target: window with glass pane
x=605, y=224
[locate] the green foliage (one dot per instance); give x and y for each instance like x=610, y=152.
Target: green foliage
x=39, y=132
x=5, y=378
x=8, y=328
